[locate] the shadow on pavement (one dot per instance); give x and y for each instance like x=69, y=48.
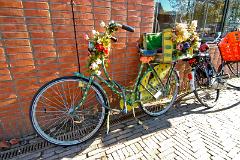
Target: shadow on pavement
x=127, y=130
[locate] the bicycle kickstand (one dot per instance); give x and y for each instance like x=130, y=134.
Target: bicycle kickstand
x=138, y=120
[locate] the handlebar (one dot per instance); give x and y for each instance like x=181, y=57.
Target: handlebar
x=216, y=40
x=204, y=45
x=123, y=26
x=128, y=28
x=114, y=39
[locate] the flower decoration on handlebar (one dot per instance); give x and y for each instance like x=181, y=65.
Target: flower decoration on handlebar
x=186, y=38
x=99, y=47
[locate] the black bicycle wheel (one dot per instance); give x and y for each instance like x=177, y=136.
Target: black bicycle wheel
x=206, y=87
x=230, y=71
x=156, y=95
x=52, y=115
x=234, y=68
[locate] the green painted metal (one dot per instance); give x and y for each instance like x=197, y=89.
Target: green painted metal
x=114, y=86
x=85, y=93
x=130, y=96
x=138, y=77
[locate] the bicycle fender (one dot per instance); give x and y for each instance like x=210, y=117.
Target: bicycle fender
x=78, y=74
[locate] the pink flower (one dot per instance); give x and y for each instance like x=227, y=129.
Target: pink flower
x=179, y=47
x=86, y=37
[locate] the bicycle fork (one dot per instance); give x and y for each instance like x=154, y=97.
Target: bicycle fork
x=85, y=92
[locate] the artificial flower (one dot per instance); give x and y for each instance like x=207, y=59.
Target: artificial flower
x=146, y=59
x=94, y=32
x=86, y=37
x=105, y=50
x=181, y=26
x=102, y=24
x=98, y=73
x=192, y=60
x=99, y=41
x=94, y=66
x=98, y=61
x=186, y=45
x=203, y=47
x=99, y=47
x=186, y=37
x=179, y=47
x=193, y=25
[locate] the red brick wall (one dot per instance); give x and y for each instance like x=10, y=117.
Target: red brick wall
x=37, y=44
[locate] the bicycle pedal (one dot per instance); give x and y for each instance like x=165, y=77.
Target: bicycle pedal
x=140, y=122
x=77, y=122
x=225, y=76
x=223, y=86
x=116, y=110
x=145, y=127
x=220, y=85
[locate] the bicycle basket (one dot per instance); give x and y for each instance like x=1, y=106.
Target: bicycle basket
x=160, y=43
x=152, y=41
x=230, y=47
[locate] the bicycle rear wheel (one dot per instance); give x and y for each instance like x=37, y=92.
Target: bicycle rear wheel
x=231, y=73
x=206, y=88
x=53, y=118
x=158, y=93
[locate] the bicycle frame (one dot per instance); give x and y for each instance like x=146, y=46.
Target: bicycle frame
x=114, y=86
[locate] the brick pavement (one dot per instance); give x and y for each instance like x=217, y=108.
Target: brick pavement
x=188, y=131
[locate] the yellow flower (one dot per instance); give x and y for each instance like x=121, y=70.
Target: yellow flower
x=194, y=24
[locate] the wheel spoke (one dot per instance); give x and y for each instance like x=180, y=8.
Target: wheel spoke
x=205, y=91
x=155, y=97
x=60, y=95
x=51, y=102
x=56, y=123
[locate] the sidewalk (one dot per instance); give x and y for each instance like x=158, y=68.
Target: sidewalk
x=187, y=131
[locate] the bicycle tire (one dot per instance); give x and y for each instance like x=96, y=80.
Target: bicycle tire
x=50, y=111
x=150, y=86
x=234, y=68
x=231, y=73
x=207, y=93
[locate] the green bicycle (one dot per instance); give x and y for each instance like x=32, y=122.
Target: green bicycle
x=70, y=110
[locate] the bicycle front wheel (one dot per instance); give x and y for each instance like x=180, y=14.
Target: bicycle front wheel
x=53, y=117
x=206, y=87
x=158, y=92
x=231, y=73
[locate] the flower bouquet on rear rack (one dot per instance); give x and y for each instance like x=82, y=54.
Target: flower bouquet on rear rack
x=171, y=44
x=185, y=39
